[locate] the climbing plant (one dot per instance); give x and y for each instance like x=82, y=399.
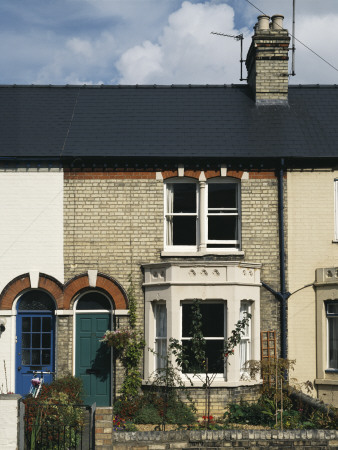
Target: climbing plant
x=129, y=345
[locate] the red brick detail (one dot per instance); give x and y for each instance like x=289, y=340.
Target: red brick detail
x=128, y=174
x=192, y=174
x=114, y=290
x=12, y=290
x=74, y=287
x=106, y=284
x=22, y=283
x=169, y=174
x=266, y=175
x=53, y=288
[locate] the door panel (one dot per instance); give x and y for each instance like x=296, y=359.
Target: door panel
x=34, y=348
x=93, y=361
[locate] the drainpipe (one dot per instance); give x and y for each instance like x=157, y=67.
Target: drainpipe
x=283, y=295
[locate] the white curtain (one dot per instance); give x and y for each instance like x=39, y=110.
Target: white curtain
x=333, y=343
x=161, y=335
x=170, y=210
x=244, y=346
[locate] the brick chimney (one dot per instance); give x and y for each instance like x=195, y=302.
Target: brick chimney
x=267, y=61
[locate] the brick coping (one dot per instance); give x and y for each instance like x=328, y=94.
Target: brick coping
x=195, y=436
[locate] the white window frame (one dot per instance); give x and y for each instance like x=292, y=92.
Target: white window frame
x=246, y=339
x=225, y=212
x=167, y=214
x=330, y=316
x=219, y=375
x=202, y=214
x=336, y=209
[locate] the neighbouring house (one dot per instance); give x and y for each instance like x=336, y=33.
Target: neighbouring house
x=218, y=193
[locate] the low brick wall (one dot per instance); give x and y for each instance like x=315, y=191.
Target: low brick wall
x=156, y=440
x=201, y=439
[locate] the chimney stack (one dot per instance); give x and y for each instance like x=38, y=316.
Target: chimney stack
x=267, y=61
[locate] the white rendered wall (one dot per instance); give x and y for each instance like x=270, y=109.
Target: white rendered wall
x=31, y=225
x=31, y=239
x=8, y=422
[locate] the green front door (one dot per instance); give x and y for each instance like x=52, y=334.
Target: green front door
x=93, y=359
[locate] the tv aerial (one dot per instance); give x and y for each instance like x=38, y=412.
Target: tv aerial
x=240, y=38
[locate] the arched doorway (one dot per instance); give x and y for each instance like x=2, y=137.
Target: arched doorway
x=35, y=330
x=92, y=357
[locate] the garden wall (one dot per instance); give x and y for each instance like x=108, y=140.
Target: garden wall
x=156, y=440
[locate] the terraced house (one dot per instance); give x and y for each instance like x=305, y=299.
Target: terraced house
x=219, y=193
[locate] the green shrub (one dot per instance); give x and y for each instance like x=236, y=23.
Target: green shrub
x=152, y=408
x=148, y=414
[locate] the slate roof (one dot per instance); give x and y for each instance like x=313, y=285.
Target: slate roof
x=166, y=121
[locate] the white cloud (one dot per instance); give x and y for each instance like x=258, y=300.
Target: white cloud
x=186, y=51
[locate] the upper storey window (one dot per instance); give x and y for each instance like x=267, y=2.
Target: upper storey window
x=202, y=215
x=222, y=215
x=181, y=214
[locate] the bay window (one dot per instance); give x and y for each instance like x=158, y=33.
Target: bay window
x=202, y=215
x=213, y=330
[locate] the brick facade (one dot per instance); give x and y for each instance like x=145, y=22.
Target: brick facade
x=113, y=223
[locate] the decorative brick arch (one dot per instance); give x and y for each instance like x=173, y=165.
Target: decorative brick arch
x=104, y=283
x=23, y=283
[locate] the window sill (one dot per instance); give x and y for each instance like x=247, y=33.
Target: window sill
x=182, y=253
x=327, y=382
x=335, y=241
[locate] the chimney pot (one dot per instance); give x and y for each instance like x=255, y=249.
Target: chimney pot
x=263, y=22
x=277, y=22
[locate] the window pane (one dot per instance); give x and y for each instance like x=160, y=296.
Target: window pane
x=46, y=324
x=46, y=340
x=222, y=195
x=184, y=198
x=332, y=308
x=26, y=341
x=161, y=353
x=36, y=300
x=26, y=324
x=161, y=321
x=36, y=340
x=45, y=357
x=36, y=324
x=184, y=230
x=212, y=319
x=214, y=357
x=333, y=342
x=222, y=228
x=25, y=360
x=93, y=300
x=36, y=357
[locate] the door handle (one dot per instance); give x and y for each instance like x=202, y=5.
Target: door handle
x=19, y=368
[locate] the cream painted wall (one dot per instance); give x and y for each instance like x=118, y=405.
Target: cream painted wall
x=31, y=239
x=31, y=225
x=310, y=235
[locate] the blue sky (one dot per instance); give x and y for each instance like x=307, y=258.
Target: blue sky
x=152, y=41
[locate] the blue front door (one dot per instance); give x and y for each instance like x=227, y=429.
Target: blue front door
x=34, y=340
